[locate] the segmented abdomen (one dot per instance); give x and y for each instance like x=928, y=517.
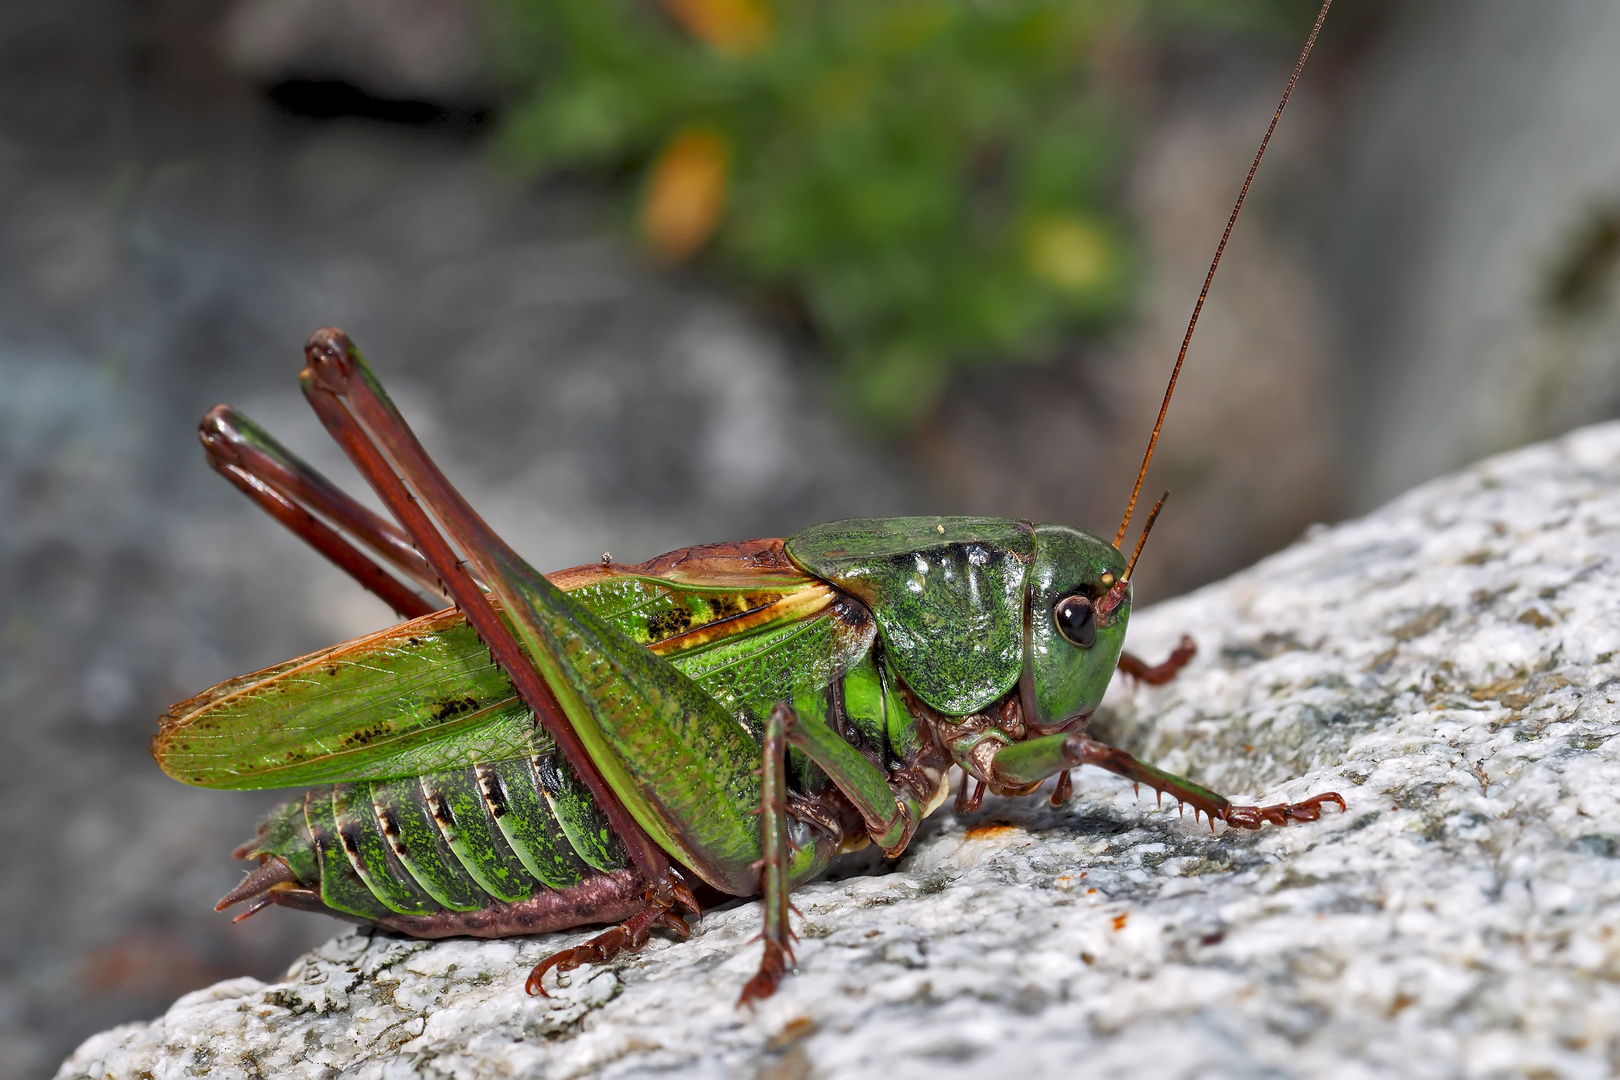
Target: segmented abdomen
x=457, y=841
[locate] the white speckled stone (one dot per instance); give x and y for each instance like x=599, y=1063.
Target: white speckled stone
x=1448, y=663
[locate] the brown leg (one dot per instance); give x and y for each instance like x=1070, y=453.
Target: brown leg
x=1020, y=765
x=777, y=934
x=299, y=497
x=1088, y=751
x=1159, y=674
x=353, y=408
x=968, y=803
x=630, y=935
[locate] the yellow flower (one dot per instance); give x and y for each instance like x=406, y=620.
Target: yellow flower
x=1068, y=253
x=732, y=27
x=686, y=193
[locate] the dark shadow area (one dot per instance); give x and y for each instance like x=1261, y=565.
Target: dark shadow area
x=334, y=99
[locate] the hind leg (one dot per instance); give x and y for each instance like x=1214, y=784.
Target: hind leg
x=363, y=421
x=318, y=512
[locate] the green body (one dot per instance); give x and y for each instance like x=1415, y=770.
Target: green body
x=895, y=641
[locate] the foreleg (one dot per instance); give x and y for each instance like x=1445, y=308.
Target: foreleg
x=1159, y=674
x=1026, y=763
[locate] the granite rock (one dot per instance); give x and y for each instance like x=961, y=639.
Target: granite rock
x=1448, y=663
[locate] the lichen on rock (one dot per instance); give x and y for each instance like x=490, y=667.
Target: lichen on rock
x=1450, y=663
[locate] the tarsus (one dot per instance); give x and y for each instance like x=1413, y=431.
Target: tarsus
x=1198, y=308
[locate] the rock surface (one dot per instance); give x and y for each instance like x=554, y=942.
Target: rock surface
x=1449, y=664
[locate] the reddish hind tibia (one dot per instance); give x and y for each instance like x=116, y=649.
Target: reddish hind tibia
x=603, y=897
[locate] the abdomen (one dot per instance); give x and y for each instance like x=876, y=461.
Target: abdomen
x=512, y=847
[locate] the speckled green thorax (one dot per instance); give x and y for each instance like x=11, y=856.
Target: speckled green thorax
x=947, y=594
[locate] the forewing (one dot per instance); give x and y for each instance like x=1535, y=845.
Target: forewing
x=420, y=697
x=425, y=696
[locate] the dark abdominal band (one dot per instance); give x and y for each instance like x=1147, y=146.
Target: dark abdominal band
x=601, y=898
x=512, y=847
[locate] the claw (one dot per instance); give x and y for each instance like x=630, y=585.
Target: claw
x=567, y=960
x=1252, y=817
x=686, y=897
x=675, y=924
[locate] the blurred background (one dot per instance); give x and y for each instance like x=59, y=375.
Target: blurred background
x=646, y=273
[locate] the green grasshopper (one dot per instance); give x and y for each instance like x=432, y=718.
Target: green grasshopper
x=614, y=744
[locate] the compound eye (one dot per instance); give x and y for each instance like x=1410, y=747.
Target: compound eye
x=1076, y=620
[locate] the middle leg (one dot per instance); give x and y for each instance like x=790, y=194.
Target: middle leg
x=773, y=873
x=888, y=814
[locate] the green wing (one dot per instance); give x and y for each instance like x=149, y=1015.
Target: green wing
x=425, y=696
x=420, y=697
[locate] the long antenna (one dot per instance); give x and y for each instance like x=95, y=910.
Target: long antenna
x=1141, y=541
x=1116, y=592
x=1198, y=308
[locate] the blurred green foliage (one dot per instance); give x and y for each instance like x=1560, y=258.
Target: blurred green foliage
x=932, y=182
